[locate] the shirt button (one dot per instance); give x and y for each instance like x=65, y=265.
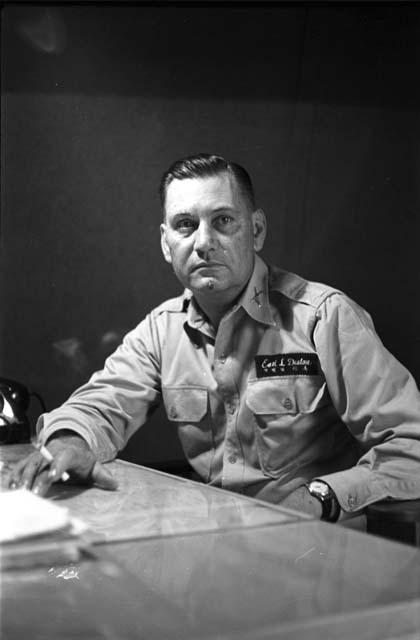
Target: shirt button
x=352, y=502
x=288, y=404
x=232, y=459
x=231, y=408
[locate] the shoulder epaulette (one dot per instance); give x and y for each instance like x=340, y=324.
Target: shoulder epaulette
x=299, y=289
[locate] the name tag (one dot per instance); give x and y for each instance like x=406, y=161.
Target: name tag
x=287, y=364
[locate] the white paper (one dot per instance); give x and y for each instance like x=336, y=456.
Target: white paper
x=24, y=514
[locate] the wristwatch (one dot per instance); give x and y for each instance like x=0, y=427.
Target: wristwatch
x=330, y=506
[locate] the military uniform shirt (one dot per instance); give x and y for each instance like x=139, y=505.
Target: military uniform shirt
x=294, y=385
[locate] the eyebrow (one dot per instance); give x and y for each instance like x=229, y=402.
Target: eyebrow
x=224, y=208
x=181, y=214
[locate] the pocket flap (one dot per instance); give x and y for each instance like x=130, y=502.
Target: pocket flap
x=282, y=396
x=185, y=404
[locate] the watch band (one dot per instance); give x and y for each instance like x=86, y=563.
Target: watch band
x=330, y=506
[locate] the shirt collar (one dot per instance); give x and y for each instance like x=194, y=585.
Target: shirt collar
x=195, y=317
x=255, y=298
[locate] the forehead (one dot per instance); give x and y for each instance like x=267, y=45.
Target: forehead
x=203, y=194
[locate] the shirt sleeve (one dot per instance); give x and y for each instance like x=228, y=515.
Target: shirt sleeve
x=377, y=399
x=117, y=400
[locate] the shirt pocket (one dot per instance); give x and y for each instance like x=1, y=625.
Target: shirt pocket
x=185, y=404
x=188, y=408
x=284, y=412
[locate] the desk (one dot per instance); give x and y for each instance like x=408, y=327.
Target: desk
x=263, y=574
x=150, y=503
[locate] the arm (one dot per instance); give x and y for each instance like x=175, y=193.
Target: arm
x=378, y=400
x=99, y=417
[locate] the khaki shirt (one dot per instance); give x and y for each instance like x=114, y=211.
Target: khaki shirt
x=295, y=384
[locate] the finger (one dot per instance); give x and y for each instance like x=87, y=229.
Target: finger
x=60, y=464
x=42, y=483
x=15, y=475
x=23, y=471
x=17, y=469
x=30, y=471
x=103, y=478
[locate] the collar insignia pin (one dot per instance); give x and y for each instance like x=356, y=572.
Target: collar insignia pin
x=256, y=296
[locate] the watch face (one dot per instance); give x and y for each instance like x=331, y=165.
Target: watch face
x=320, y=487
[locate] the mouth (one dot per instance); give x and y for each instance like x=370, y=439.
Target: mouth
x=207, y=265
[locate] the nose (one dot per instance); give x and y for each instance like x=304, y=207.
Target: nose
x=204, y=241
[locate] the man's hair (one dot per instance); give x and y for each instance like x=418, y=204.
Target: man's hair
x=205, y=165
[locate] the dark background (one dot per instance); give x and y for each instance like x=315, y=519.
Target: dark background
x=319, y=102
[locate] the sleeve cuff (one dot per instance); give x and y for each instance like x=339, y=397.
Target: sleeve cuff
x=355, y=488
x=54, y=421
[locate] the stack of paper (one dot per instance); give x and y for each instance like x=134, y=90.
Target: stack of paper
x=34, y=530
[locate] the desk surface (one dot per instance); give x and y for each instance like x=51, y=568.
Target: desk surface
x=287, y=578
x=150, y=503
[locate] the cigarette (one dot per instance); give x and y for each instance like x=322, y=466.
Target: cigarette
x=47, y=455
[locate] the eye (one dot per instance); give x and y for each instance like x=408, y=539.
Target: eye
x=224, y=221
x=185, y=225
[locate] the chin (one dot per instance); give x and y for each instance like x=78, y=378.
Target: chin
x=202, y=284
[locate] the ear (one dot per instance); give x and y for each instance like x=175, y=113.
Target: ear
x=164, y=244
x=259, y=226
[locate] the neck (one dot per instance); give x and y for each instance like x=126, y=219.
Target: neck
x=213, y=314
x=215, y=308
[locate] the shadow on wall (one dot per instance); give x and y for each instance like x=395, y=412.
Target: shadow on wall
x=43, y=29
x=76, y=360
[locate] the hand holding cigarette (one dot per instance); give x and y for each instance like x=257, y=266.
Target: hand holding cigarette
x=67, y=453
x=47, y=455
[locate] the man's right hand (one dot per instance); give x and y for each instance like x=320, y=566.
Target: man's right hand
x=70, y=453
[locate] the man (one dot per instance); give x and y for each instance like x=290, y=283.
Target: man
x=279, y=388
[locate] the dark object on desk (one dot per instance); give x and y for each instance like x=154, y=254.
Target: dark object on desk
x=14, y=403
x=395, y=520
